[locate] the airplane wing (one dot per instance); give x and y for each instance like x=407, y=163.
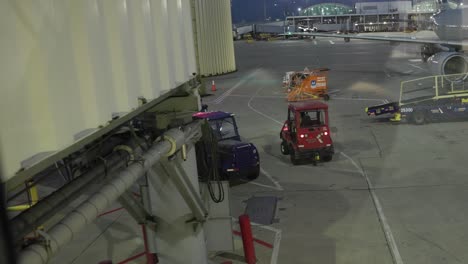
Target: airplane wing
x=383, y=38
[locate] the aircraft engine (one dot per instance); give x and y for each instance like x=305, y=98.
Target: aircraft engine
x=449, y=63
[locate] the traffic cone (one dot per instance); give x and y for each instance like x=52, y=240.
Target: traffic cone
x=213, y=86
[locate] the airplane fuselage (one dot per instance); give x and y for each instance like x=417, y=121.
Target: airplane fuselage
x=451, y=24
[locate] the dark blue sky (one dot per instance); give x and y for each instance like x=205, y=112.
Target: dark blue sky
x=253, y=10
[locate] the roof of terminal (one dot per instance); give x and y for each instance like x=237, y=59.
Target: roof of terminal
x=325, y=9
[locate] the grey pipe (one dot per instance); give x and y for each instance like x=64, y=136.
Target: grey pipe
x=88, y=211
x=25, y=222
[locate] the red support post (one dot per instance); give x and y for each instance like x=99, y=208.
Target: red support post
x=150, y=258
x=247, y=239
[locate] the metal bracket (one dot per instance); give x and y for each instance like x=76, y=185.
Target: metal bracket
x=136, y=209
x=127, y=149
x=45, y=239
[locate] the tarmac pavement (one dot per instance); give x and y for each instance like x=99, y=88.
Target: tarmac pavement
x=393, y=193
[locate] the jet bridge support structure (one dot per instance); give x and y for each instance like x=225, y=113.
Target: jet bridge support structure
x=166, y=214
x=101, y=74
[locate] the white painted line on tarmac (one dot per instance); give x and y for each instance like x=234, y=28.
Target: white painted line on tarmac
x=276, y=243
x=387, y=74
x=355, y=53
x=353, y=162
x=261, y=96
x=383, y=220
x=261, y=185
x=416, y=66
x=239, y=83
x=276, y=247
x=277, y=186
x=275, y=182
x=331, y=42
x=334, y=91
x=258, y=112
x=350, y=64
x=315, y=42
x=415, y=60
x=359, y=99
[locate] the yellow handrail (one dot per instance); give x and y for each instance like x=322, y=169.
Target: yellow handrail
x=32, y=190
x=437, y=83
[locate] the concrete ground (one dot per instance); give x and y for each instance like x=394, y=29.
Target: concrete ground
x=394, y=193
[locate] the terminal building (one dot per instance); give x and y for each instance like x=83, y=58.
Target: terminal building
x=367, y=16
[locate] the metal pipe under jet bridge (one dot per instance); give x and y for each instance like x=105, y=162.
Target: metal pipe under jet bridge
x=86, y=212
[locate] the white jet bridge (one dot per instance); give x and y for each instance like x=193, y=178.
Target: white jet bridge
x=97, y=107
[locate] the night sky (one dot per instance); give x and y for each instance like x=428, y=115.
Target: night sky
x=244, y=11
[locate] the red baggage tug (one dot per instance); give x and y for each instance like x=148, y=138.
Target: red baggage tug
x=306, y=134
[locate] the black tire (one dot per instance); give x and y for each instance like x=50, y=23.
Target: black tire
x=419, y=118
x=326, y=97
x=224, y=176
x=292, y=155
x=284, y=148
x=327, y=158
x=253, y=173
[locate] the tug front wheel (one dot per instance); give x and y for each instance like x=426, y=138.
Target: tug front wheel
x=292, y=155
x=284, y=148
x=327, y=158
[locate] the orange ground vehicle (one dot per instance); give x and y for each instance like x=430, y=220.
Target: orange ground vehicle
x=293, y=78
x=308, y=85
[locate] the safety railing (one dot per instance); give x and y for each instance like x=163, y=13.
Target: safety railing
x=33, y=198
x=437, y=86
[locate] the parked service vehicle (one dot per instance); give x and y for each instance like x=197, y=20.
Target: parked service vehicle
x=235, y=157
x=429, y=99
x=307, y=84
x=306, y=134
